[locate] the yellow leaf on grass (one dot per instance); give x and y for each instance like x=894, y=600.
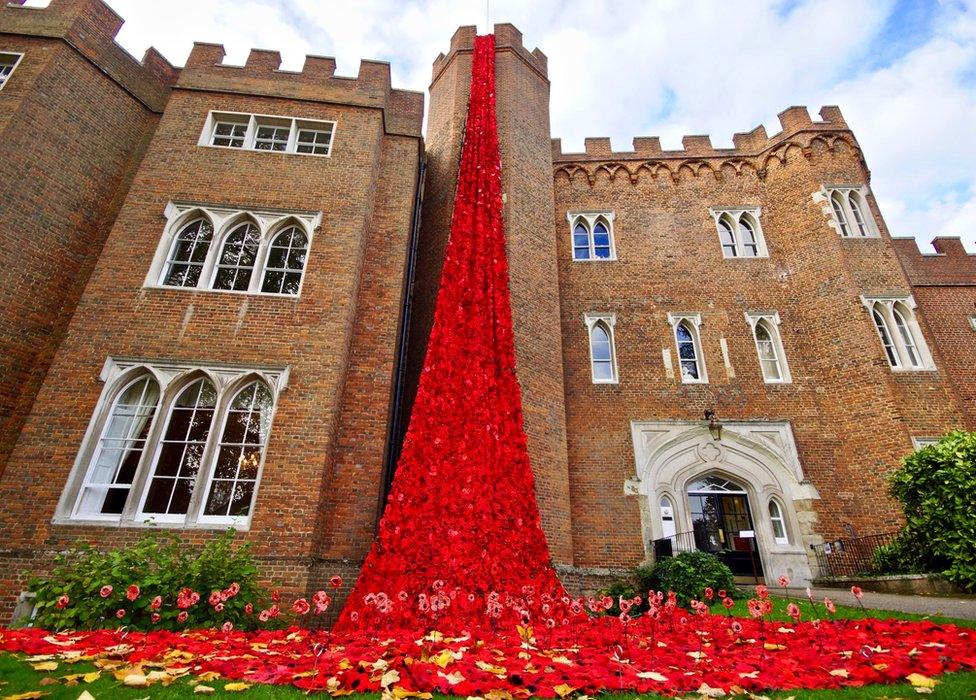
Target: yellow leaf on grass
x=562, y=690
x=236, y=687
x=840, y=673
x=135, y=680
x=30, y=695
x=45, y=666
x=91, y=677
x=498, y=694
x=85, y=695
x=205, y=689
x=399, y=692
x=208, y=676
x=653, y=675
x=920, y=681
x=452, y=678
x=47, y=680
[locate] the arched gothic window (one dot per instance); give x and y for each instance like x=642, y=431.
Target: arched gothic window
x=769, y=346
x=237, y=258
x=851, y=214
x=180, y=453
x=239, y=453
x=601, y=352
x=188, y=254
x=886, y=340
x=687, y=352
x=739, y=233
x=123, y=439
x=286, y=262
x=905, y=331
x=592, y=236
x=778, y=522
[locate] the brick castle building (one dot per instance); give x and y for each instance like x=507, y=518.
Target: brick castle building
x=218, y=283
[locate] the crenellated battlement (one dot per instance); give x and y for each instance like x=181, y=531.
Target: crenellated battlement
x=261, y=74
x=792, y=120
x=507, y=38
x=951, y=264
x=90, y=26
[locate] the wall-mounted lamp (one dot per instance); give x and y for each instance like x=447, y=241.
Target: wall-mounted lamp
x=714, y=424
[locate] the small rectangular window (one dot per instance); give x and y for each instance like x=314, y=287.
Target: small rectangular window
x=271, y=136
x=8, y=61
x=230, y=134
x=315, y=141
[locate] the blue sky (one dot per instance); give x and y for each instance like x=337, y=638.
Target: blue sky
x=902, y=72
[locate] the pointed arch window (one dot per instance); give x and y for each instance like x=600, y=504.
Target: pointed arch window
x=592, y=235
x=176, y=444
x=688, y=342
x=285, y=264
x=740, y=233
x=240, y=453
x=849, y=211
x=769, y=346
x=256, y=252
x=188, y=254
x=603, y=362
x=900, y=334
x=118, y=453
x=180, y=453
x=778, y=522
x=237, y=258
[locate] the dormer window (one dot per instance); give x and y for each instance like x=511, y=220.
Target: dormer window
x=739, y=233
x=592, y=234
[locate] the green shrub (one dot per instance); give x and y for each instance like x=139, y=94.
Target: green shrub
x=623, y=588
x=160, y=565
x=688, y=574
x=936, y=486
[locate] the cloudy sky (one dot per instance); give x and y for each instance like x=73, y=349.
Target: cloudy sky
x=903, y=72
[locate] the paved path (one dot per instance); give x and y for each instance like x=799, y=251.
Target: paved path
x=948, y=606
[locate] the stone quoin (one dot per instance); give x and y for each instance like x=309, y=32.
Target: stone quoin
x=190, y=250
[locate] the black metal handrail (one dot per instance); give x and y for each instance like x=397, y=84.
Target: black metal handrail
x=665, y=547
x=850, y=556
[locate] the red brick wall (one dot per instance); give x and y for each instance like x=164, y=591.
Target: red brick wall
x=851, y=415
x=944, y=285
x=338, y=337
x=74, y=119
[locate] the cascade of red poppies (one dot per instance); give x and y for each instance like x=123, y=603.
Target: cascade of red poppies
x=460, y=544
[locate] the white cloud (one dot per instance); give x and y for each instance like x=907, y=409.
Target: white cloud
x=668, y=68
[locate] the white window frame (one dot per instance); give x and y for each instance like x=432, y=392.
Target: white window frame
x=825, y=197
x=733, y=215
x=173, y=377
x=253, y=121
x=224, y=220
x=920, y=442
x=693, y=322
x=607, y=321
x=17, y=57
x=771, y=320
x=885, y=305
x=589, y=219
x=972, y=322
x=785, y=539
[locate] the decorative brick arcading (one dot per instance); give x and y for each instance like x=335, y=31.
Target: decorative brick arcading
x=751, y=151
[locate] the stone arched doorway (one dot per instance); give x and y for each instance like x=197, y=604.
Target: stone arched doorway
x=674, y=461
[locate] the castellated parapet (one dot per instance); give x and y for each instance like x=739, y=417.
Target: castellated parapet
x=90, y=26
x=507, y=39
x=951, y=264
x=261, y=74
x=752, y=150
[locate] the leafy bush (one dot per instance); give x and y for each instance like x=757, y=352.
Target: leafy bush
x=120, y=587
x=623, y=588
x=688, y=574
x=936, y=486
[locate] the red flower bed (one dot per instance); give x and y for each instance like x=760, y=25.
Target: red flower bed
x=677, y=652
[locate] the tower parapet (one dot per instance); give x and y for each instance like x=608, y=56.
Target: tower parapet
x=951, y=264
x=261, y=74
x=794, y=120
x=90, y=26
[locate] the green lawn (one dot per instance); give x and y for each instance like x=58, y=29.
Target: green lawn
x=17, y=676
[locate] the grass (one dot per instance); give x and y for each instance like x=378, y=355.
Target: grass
x=17, y=676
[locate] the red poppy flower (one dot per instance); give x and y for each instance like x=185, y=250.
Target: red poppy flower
x=105, y=591
x=132, y=592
